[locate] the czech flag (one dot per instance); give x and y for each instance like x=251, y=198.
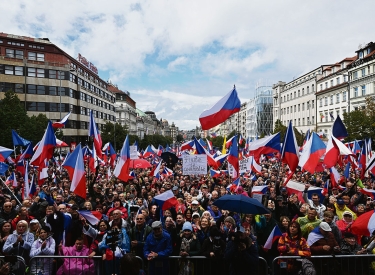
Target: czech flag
x=274, y=236
x=334, y=149
x=335, y=177
x=93, y=217
x=156, y=172
x=94, y=132
x=338, y=129
x=298, y=188
x=62, y=122
x=289, y=154
x=214, y=173
x=3, y=168
x=11, y=180
x=122, y=166
x=265, y=146
x=4, y=153
x=312, y=152
x=189, y=145
x=261, y=189
x=363, y=161
x=166, y=200
x=229, y=142
x=221, y=111
x=76, y=169
x=28, y=153
x=233, y=158
x=45, y=148
x=368, y=192
x=18, y=140
x=364, y=224
x=148, y=152
x=325, y=188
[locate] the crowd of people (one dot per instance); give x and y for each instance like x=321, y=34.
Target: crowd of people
x=49, y=222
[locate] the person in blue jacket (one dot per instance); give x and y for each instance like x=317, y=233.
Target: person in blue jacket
x=157, y=249
x=123, y=247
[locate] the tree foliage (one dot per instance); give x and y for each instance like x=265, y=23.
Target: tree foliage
x=179, y=138
x=114, y=133
x=34, y=128
x=155, y=140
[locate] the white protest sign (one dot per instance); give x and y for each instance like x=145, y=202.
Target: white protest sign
x=258, y=197
x=245, y=165
x=194, y=164
x=133, y=152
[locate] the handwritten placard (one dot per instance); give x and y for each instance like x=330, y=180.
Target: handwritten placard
x=245, y=165
x=194, y=164
x=133, y=152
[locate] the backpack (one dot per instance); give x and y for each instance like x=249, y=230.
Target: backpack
x=307, y=267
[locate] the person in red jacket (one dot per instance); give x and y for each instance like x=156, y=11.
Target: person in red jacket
x=22, y=215
x=117, y=205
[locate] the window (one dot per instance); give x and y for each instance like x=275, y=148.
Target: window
x=312, y=88
x=303, y=106
x=344, y=96
x=312, y=119
x=287, y=97
x=312, y=104
x=321, y=86
x=326, y=117
x=303, y=121
x=299, y=107
x=326, y=85
x=18, y=70
x=36, y=46
x=360, y=54
x=295, y=108
x=299, y=93
x=31, y=89
x=303, y=91
x=355, y=91
x=83, y=125
x=299, y=122
x=308, y=105
x=325, y=101
x=308, y=90
x=18, y=88
x=363, y=72
x=331, y=82
x=338, y=81
x=363, y=88
x=52, y=74
x=294, y=94
x=331, y=99
x=36, y=56
x=41, y=90
x=355, y=75
x=287, y=110
x=14, y=53
x=9, y=70
x=337, y=98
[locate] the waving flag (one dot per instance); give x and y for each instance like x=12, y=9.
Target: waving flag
x=3, y=168
x=4, y=153
x=369, y=192
x=255, y=167
x=233, y=158
x=26, y=186
x=356, y=148
x=28, y=153
x=45, y=148
x=94, y=132
x=338, y=129
x=325, y=188
x=189, y=145
x=166, y=200
x=363, y=161
x=312, y=152
x=229, y=142
x=240, y=140
x=93, y=217
x=274, y=236
x=364, y=224
x=156, y=171
x=17, y=140
x=221, y=111
x=11, y=180
x=148, y=152
x=334, y=149
x=289, y=153
x=214, y=173
x=259, y=189
x=265, y=146
x=335, y=177
x=209, y=145
x=160, y=150
x=76, y=169
x=122, y=167
x=62, y=122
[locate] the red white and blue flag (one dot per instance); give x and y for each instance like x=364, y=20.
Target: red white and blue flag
x=334, y=149
x=166, y=200
x=338, y=129
x=266, y=145
x=12, y=180
x=335, y=177
x=123, y=163
x=259, y=189
x=233, y=158
x=214, y=173
x=274, y=236
x=189, y=145
x=62, y=122
x=364, y=224
x=94, y=132
x=4, y=153
x=221, y=111
x=75, y=166
x=18, y=140
x=229, y=142
x=312, y=152
x=28, y=153
x=93, y=217
x=289, y=153
x=45, y=148
x=149, y=152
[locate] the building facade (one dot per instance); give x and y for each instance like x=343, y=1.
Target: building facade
x=49, y=81
x=259, y=117
x=126, y=113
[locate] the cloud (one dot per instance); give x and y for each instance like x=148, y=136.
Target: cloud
x=183, y=58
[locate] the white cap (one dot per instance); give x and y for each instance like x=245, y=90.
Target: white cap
x=325, y=226
x=194, y=202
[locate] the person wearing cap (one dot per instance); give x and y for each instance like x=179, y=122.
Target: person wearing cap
x=188, y=243
x=349, y=245
x=241, y=254
x=341, y=208
x=196, y=208
x=157, y=249
x=34, y=227
x=345, y=223
x=322, y=241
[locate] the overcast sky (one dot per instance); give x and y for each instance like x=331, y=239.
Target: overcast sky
x=178, y=58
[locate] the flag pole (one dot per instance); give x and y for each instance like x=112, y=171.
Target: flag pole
x=10, y=191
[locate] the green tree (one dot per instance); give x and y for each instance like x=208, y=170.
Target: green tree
x=34, y=128
x=179, y=138
x=12, y=116
x=279, y=127
x=218, y=142
x=115, y=134
x=358, y=124
x=231, y=134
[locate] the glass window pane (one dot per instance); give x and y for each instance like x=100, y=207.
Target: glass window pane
x=18, y=70
x=18, y=88
x=31, y=56
x=31, y=106
x=41, y=90
x=8, y=69
x=31, y=89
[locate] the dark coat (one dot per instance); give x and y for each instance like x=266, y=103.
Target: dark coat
x=317, y=247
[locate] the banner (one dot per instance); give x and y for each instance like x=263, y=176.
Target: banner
x=245, y=165
x=133, y=152
x=194, y=164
